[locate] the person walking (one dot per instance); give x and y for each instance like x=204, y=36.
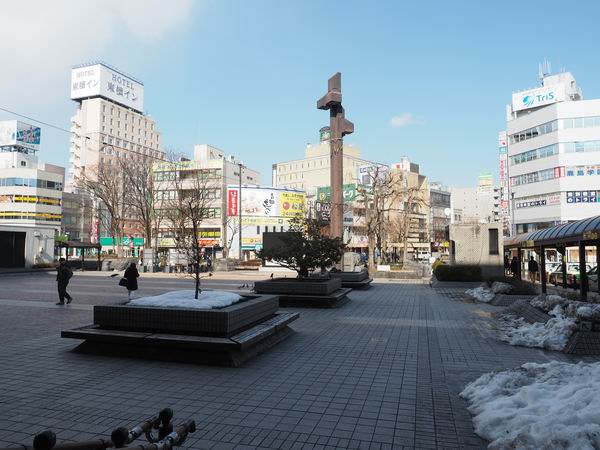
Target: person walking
x=208, y=264
x=514, y=267
x=532, y=267
x=131, y=275
x=63, y=275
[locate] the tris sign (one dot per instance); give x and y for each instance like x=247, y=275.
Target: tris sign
x=99, y=80
x=538, y=97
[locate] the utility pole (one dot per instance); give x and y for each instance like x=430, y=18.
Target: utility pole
x=240, y=165
x=339, y=128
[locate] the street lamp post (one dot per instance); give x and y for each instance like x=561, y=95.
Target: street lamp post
x=513, y=226
x=240, y=165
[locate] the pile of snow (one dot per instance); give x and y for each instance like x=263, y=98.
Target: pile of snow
x=501, y=288
x=538, y=406
x=486, y=294
x=552, y=335
x=185, y=299
x=481, y=294
x=572, y=308
x=548, y=302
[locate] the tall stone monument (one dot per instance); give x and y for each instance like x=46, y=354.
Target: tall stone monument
x=340, y=127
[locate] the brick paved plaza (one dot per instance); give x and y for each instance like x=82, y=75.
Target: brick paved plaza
x=383, y=371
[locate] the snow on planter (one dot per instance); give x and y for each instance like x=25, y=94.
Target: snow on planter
x=538, y=406
x=552, y=335
x=185, y=299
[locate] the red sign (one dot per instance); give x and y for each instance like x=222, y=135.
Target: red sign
x=208, y=242
x=232, y=202
x=559, y=172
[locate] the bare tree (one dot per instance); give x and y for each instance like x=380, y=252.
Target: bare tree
x=392, y=205
x=232, y=229
x=406, y=215
x=183, y=213
x=376, y=198
x=144, y=199
x=105, y=183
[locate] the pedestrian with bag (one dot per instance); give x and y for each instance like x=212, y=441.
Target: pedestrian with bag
x=63, y=275
x=130, y=276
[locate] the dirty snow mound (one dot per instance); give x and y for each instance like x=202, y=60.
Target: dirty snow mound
x=185, y=299
x=552, y=335
x=501, y=288
x=548, y=302
x=481, y=294
x=538, y=406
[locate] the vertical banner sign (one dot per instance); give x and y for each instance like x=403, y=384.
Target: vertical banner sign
x=232, y=202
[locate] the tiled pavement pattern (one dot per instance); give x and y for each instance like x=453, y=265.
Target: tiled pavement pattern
x=384, y=371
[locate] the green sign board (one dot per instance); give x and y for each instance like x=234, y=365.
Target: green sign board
x=348, y=193
x=125, y=241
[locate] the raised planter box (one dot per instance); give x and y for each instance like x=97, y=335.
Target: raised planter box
x=305, y=286
x=222, y=322
x=354, y=280
x=226, y=336
x=305, y=292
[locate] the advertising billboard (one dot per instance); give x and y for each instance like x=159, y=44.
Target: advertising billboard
x=265, y=202
x=291, y=203
x=15, y=132
x=542, y=96
x=99, y=80
x=349, y=192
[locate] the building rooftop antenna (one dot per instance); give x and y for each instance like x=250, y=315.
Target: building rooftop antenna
x=544, y=69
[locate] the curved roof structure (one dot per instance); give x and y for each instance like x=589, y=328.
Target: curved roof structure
x=581, y=230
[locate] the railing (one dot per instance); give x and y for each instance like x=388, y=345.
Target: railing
x=167, y=436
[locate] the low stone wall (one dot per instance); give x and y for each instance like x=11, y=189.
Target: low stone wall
x=522, y=308
x=583, y=343
x=508, y=300
x=223, y=322
x=298, y=286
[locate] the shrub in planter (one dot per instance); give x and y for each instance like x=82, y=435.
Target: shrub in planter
x=458, y=272
x=305, y=247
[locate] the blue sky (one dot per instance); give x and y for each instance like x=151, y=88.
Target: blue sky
x=244, y=76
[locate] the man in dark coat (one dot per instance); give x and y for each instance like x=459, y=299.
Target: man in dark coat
x=532, y=268
x=514, y=267
x=63, y=275
x=131, y=275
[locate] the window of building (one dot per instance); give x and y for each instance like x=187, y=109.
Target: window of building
x=534, y=132
x=493, y=240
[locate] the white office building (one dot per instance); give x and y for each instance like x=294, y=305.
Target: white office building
x=553, y=154
x=30, y=198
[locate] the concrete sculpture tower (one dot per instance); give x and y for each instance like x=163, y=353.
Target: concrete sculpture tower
x=340, y=127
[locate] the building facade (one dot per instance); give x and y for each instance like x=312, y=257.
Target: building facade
x=480, y=204
x=409, y=211
x=217, y=172
x=109, y=124
x=30, y=198
x=313, y=171
x=440, y=216
x=554, y=154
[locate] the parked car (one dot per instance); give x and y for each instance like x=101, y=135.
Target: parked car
x=556, y=277
x=592, y=275
x=551, y=267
